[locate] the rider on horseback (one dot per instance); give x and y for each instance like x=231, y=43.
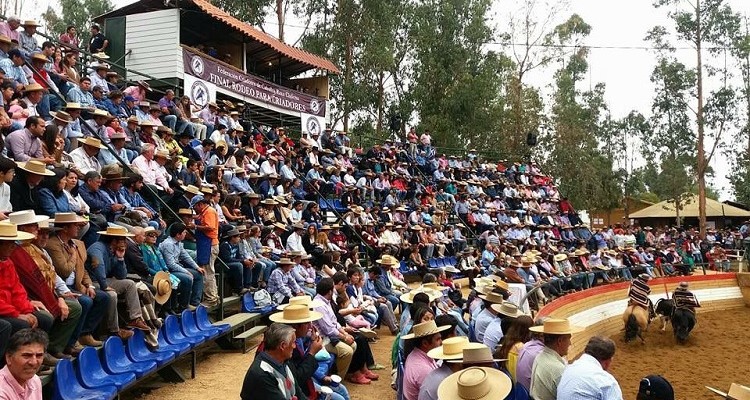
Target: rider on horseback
x=639, y=292
x=683, y=298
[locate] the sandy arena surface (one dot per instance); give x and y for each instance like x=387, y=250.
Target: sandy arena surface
x=715, y=355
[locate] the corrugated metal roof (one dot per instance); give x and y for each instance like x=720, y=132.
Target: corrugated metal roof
x=279, y=46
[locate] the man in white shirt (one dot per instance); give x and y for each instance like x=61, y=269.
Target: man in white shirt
x=268, y=167
x=588, y=377
x=85, y=157
x=294, y=241
x=99, y=77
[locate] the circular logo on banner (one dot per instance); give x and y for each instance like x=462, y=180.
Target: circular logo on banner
x=315, y=106
x=196, y=65
x=313, y=126
x=199, y=94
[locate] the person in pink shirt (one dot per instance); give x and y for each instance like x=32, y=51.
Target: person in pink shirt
x=69, y=39
x=23, y=359
x=9, y=28
x=138, y=92
x=425, y=336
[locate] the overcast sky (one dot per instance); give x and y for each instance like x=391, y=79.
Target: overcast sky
x=614, y=24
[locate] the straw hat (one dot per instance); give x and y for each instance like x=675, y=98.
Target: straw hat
x=185, y=211
x=68, y=218
x=5, y=39
x=561, y=257
x=45, y=225
x=73, y=106
x=451, y=269
x=387, y=260
x=26, y=217
x=191, y=189
x=555, y=326
x=35, y=167
x=116, y=230
x=285, y=261
x=39, y=57
x=508, y=309
x=303, y=300
x=279, y=225
x=296, y=314
x=9, y=232
x=477, y=354
x=736, y=392
x=30, y=23
x=101, y=113
x=475, y=383
x=581, y=252
x=92, y=141
x=492, y=297
x=424, y=329
x=162, y=153
x=451, y=349
x=163, y=286
x=434, y=286
x=409, y=297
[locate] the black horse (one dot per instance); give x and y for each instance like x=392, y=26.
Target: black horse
x=682, y=319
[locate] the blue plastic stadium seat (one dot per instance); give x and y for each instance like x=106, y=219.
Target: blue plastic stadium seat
x=339, y=207
x=441, y=262
x=94, y=376
x=451, y=261
x=204, y=324
x=174, y=334
x=67, y=386
x=178, y=348
x=117, y=362
x=190, y=328
x=432, y=262
x=138, y=351
x=248, y=305
x=323, y=204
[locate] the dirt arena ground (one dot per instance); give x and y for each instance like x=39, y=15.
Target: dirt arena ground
x=716, y=355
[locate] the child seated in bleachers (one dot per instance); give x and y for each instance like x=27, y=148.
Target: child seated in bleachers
x=352, y=319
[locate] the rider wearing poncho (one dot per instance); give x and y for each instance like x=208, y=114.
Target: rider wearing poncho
x=639, y=291
x=683, y=298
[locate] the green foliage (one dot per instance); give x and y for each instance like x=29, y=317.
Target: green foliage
x=77, y=13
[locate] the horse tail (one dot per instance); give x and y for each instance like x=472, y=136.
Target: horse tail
x=631, y=328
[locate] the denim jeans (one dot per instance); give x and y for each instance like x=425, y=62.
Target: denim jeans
x=190, y=289
x=92, y=312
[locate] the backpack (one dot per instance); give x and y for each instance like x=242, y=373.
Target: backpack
x=262, y=298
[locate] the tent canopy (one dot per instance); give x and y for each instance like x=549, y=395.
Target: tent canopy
x=666, y=209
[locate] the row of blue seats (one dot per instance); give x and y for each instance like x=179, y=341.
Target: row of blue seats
x=332, y=204
x=433, y=263
x=102, y=374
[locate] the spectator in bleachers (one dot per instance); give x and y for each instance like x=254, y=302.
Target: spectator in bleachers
x=42, y=284
x=80, y=94
x=25, y=185
x=70, y=38
x=25, y=355
x=138, y=91
x=85, y=157
x=13, y=68
x=167, y=108
x=281, y=284
x=279, y=345
x=10, y=27
x=207, y=243
x=184, y=267
x=98, y=42
x=26, y=41
x=25, y=144
x=5, y=46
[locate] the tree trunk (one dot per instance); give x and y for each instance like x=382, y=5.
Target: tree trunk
x=347, y=79
x=280, y=18
x=701, y=170
x=381, y=94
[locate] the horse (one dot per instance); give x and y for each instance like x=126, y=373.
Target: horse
x=683, y=321
x=636, y=320
x=664, y=309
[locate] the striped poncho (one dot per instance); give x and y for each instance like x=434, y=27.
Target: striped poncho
x=638, y=293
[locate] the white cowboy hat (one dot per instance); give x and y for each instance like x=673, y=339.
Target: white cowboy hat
x=92, y=141
x=35, y=167
x=9, y=232
x=424, y=329
x=475, y=383
x=296, y=314
x=163, y=286
x=555, y=326
x=303, y=300
x=26, y=217
x=476, y=353
x=492, y=297
x=68, y=218
x=451, y=349
x=387, y=260
x=508, y=309
x=119, y=231
x=409, y=297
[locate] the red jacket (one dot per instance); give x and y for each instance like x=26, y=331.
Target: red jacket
x=33, y=281
x=13, y=298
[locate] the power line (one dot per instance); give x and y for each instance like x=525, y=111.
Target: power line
x=605, y=47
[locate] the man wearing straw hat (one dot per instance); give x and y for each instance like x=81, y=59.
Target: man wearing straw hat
x=549, y=364
x=304, y=364
x=85, y=157
x=506, y=312
x=25, y=185
x=424, y=337
x=589, y=377
x=106, y=265
x=476, y=383
x=451, y=349
x=488, y=314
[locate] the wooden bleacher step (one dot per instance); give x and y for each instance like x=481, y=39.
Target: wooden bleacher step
x=239, y=320
x=249, y=334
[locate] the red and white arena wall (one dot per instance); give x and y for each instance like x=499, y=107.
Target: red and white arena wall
x=599, y=310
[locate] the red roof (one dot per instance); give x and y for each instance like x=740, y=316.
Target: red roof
x=283, y=48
